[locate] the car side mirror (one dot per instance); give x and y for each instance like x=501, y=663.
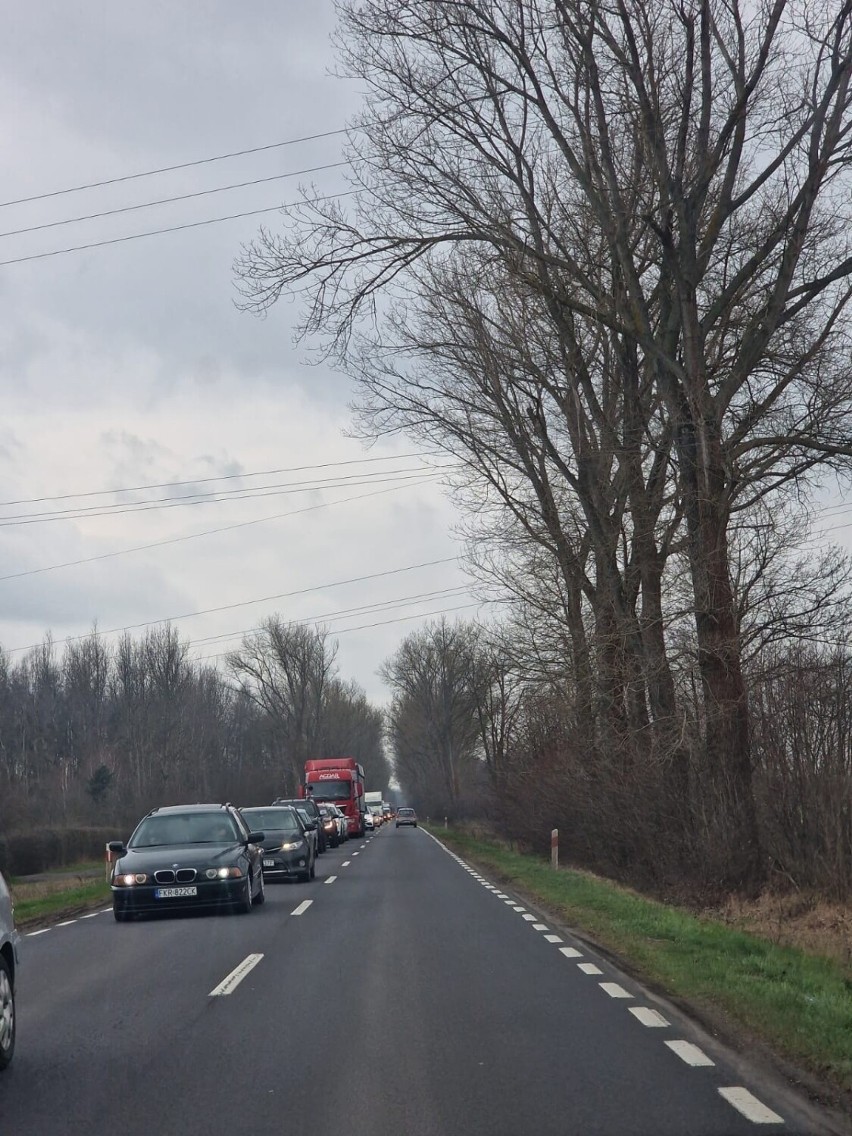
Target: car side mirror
x=117, y=846
x=255, y=837
x=310, y=826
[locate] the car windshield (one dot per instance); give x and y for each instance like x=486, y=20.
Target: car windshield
x=279, y=820
x=406, y=813
x=184, y=828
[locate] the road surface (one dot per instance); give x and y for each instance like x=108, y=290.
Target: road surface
x=400, y=992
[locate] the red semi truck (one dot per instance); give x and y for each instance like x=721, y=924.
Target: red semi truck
x=339, y=780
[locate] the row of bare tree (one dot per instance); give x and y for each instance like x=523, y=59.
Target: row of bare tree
x=601, y=254
x=104, y=732
x=482, y=727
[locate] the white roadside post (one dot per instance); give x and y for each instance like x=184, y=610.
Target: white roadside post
x=445, y=822
x=554, y=848
x=108, y=864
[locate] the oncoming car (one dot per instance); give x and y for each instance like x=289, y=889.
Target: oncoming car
x=188, y=856
x=406, y=816
x=8, y=972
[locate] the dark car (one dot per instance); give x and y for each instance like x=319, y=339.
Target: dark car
x=310, y=813
x=9, y=940
x=188, y=856
x=406, y=816
x=330, y=826
x=289, y=850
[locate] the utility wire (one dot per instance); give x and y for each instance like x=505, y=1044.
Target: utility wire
x=209, y=480
x=207, y=532
x=367, y=626
x=170, y=200
x=362, y=609
x=285, y=489
x=248, y=603
x=170, y=169
x=175, y=228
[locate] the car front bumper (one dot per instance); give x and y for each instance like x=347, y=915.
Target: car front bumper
x=141, y=898
x=285, y=865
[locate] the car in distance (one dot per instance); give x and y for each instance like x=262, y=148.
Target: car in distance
x=406, y=816
x=187, y=856
x=288, y=850
x=9, y=940
x=342, y=822
x=330, y=826
x=369, y=823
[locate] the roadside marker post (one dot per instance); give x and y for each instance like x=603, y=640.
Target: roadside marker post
x=554, y=849
x=445, y=822
x=108, y=866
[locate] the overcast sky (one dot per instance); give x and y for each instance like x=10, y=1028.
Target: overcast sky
x=129, y=365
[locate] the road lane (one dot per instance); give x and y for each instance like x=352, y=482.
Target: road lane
x=408, y=996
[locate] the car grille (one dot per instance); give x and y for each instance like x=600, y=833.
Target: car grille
x=182, y=876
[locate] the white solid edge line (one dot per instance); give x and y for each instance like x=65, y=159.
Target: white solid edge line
x=648, y=1017
x=67, y=923
x=302, y=908
x=553, y=939
x=346, y=863
x=690, y=1053
x=751, y=1108
x=32, y=934
x=614, y=990
x=540, y=927
x=91, y=915
x=229, y=984
x=331, y=879
x=570, y=952
x=589, y=968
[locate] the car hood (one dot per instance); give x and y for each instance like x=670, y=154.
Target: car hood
x=182, y=855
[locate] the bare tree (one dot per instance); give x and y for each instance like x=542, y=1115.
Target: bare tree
x=674, y=172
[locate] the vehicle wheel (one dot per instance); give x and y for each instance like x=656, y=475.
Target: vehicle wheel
x=313, y=869
x=260, y=898
x=397, y=826
x=7, y=1015
x=243, y=905
x=415, y=824
x=121, y=916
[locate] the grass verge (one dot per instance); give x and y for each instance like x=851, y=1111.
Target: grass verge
x=38, y=903
x=799, y=1004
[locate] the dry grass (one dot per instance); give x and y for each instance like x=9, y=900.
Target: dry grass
x=809, y=922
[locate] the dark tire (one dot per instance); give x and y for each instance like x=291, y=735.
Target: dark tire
x=415, y=824
x=313, y=870
x=243, y=906
x=260, y=898
x=7, y=1015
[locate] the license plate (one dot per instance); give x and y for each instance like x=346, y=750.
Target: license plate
x=174, y=893
x=269, y=863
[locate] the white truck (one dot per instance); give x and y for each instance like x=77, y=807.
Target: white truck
x=373, y=801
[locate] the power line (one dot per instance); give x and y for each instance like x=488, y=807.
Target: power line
x=170, y=200
x=209, y=480
x=368, y=626
x=170, y=169
x=362, y=609
x=247, y=603
x=175, y=228
x=250, y=493
x=208, y=532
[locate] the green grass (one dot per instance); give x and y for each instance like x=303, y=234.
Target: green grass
x=77, y=868
x=799, y=1004
x=32, y=906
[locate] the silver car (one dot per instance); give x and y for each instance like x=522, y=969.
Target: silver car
x=8, y=968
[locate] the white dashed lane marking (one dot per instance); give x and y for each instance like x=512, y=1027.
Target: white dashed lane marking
x=331, y=879
x=648, y=1017
x=590, y=968
x=346, y=863
x=539, y=926
x=570, y=953
x=614, y=990
x=751, y=1108
x=689, y=1053
x=553, y=938
x=302, y=908
x=228, y=985
x=356, y=853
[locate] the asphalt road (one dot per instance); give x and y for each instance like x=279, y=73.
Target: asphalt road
x=398, y=992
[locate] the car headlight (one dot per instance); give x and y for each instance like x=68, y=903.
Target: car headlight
x=291, y=846
x=229, y=873
x=129, y=879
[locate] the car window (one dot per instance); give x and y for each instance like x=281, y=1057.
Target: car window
x=184, y=828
